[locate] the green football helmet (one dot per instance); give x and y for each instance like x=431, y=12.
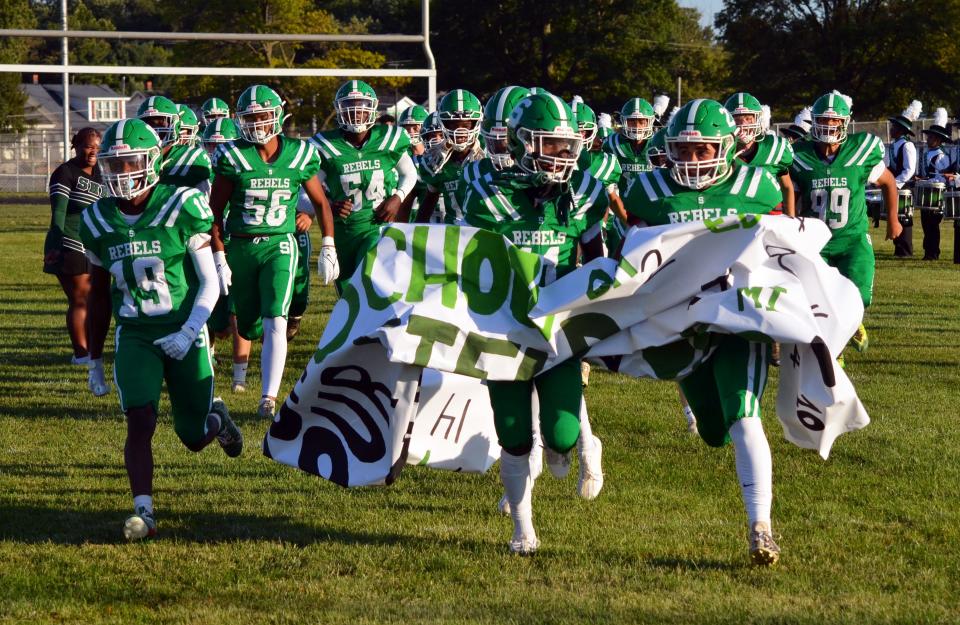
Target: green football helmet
x=356, y=106
x=460, y=115
x=586, y=122
x=411, y=120
x=259, y=115
x=700, y=123
x=213, y=109
x=189, y=125
x=605, y=131
x=656, y=151
x=163, y=116
x=747, y=113
x=538, y=91
x=220, y=130
x=637, y=109
x=431, y=133
x=833, y=105
x=130, y=158
x=543, y=137
x=493, y=129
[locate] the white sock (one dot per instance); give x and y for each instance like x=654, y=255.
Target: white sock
x=518, y=485
x=240, y=373
x=754, y=468
x=688, y=413
x=143, y=501
x=274, y=354
x=585, y=442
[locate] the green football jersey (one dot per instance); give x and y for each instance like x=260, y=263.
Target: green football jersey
x=834, y=191
x=449, y=183
x=632, y=162
x=152, y=283
x=363, y=175
x=658, y=199
x=603, y=166
x=265, y=195
x=551, y=227
x=774, y=154
x=186, y=166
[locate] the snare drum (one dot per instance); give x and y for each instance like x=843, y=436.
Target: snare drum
x=874, y=203
x=929, y=195
x=951, y=205
x=904, y=204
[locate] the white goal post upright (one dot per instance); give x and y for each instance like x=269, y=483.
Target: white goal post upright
x=430, y=72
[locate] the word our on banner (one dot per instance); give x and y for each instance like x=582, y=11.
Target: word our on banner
x=467, y=302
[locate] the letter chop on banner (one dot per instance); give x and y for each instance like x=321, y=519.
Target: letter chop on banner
x=435, y=310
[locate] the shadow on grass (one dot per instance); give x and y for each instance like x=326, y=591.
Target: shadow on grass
x=33, y=524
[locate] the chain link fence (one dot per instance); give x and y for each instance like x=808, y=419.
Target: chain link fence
x=27, y=160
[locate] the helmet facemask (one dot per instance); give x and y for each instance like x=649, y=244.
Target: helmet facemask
x=829, y=133
x=212, y=117
x=413, y=131
x=163, y=124
x=588, y=130
x=553, y=153
x=259, y=125
x=356, y=113
x=747, y=130
x=656, y=158
x=700, y=174
x=463, y=129
x=498, y=147
x=129, y=173
x=188, y=135
x=637, y=133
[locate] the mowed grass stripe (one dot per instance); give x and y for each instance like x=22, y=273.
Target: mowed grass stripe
x=869, y=536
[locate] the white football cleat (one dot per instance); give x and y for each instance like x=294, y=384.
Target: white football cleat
x=524, y=545
x=591, y=473
x=140, y=526
x=97, y=382
x=239, y=387
x=559, y=464
x=267, y=408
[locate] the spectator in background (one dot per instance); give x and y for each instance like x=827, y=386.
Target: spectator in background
x=75, y=185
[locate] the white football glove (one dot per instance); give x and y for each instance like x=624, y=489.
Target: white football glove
x=177, y=345
x=327, y=263
x=224, y=275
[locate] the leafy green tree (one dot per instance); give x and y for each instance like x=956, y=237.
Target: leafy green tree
x=13, y=14
x=881, y=53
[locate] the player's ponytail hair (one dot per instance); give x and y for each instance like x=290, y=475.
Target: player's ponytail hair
x=83, y=135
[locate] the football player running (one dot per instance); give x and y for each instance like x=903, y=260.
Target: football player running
x=830, y=171
x=184, y=165
x=637, y=119
x=542, y=194
x=412, y=120
x=759, y=148
x=601, y=165
x=142, y=237
x=441, y=167
x=356, y=165
x=704, y=181
x=257, y=184
x=222, y=322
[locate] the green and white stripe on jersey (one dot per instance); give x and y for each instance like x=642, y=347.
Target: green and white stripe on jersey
x=305, y=153
x=776, y=153
x=497, y=204
x=187, y=160
x=93, y=218
x=606, y=167
x=233, y=155
x=172, y=207
x=585, y=195
x=870, y=144
x=653, y=183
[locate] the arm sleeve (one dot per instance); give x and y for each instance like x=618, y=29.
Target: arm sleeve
x=304, y=205
x=209, y=290
x=407, y=172
x=60, y=186
x=876, y=172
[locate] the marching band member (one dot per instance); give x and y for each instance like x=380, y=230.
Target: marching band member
x=937, y=163
x=901, y=160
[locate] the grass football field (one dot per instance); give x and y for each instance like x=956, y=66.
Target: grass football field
x=870, y=536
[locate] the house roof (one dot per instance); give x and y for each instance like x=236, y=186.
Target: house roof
x=45, y=103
